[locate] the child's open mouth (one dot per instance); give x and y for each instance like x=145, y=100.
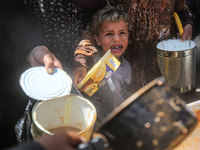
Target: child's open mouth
x=116, y=49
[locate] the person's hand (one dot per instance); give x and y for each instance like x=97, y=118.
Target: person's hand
x=61, y=141
x=42, y=56
x=78, y=74
x=188, y=29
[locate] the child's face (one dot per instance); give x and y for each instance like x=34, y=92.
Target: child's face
x=113, y=36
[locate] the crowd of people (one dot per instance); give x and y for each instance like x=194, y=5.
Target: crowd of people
x=50, y=33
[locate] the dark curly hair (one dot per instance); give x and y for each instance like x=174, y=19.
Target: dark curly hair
x=106, y=15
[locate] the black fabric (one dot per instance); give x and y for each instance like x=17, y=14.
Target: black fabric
x=12, y=98
x=186, y=17
x=194, y=6
x=18, y=35
x=28, y=146
x=10, y=6
x=21, y=31
x=91, y=4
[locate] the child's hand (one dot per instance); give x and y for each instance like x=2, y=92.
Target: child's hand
x=78, y=74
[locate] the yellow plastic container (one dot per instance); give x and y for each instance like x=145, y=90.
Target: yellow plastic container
x=99, y=74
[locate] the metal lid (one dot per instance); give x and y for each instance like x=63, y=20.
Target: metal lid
x=40, y=85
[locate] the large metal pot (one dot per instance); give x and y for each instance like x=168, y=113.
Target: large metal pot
x=153, y=118
x=70, y=112
x=177, y=63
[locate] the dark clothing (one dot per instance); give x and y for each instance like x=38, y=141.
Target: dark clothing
x=194, y=6
x=19, y=34
x=63, y=23
x=28, y=146
x=19, y=27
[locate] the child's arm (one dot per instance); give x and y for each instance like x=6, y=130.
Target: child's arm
x=83, y=58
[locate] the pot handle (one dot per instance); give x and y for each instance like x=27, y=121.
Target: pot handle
x=179, y=24
x=94, y=144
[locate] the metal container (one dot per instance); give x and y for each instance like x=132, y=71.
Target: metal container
x=153, y=118
x=70, y=111
x=177, y=64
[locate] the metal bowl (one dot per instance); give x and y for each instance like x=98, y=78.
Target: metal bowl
x=68, y=111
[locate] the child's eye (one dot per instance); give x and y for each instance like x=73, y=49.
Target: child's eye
x=108, y=34
x=122, y=32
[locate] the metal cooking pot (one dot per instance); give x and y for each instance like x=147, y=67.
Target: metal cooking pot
x=177, y=64
x=153, y=118
x=70, y=112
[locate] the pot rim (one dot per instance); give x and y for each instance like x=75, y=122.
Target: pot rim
x=193, y=44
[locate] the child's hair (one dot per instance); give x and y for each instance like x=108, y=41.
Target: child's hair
x=106, y=15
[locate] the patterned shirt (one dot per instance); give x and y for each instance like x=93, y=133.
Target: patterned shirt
x=62, y=22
